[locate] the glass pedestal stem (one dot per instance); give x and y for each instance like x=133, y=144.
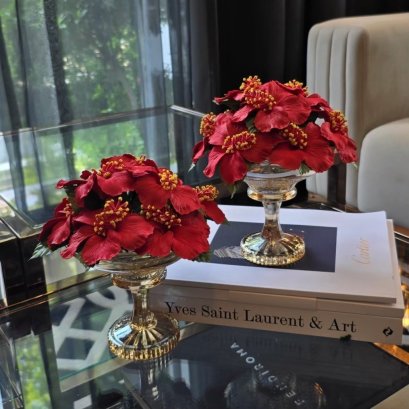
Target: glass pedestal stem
x=272, y=230
x=271, y=185
x=141, y=316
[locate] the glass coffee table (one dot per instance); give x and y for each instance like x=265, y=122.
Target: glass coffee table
x=54, y=354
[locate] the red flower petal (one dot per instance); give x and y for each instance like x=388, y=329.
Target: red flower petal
x=221, y=131
x=82, y=234
x=132, y=232
x=242, y=113
x=150, y=192
x=318, y=155
x=213, y=211
x=60, y=232
x=215, y=156
x=297, y=107
x=344, y=144
x=288, y=108
x=275, y=119
x=199, y=149
x=184, y=199
x=99, y=248
x=86, y=216
x=115, y=185
x=260, y=151
x=233, y=168
x=159, y=244
x=348, y=153
x=82, y=191
x=286, y=156
x=63, y=183
x=234, y=94
x=139, y=170
x=191, y=239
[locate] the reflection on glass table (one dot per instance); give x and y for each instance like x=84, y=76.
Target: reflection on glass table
x=33, y=160
x=56, y=356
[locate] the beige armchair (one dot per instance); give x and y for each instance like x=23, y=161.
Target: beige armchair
x=361, y=66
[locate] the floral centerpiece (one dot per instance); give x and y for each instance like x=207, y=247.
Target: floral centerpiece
x=275, y=122
x=272, y=135
x=130, y=205
x=133, y=219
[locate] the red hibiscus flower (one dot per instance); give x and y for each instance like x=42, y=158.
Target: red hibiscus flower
x=207, y=195
x=336, y=131
x=112, y=179
x=295, y=87
x=276, y=106
x=207, y=126
x=115, y=176
x=185, y=235
x=303, y=145
x=157, y=189
x=105, y=232
x=57, y=230
x=233, y=146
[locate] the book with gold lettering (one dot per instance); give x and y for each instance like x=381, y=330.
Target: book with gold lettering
x=350, y=286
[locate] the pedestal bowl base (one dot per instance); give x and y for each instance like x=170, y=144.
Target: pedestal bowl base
x=287, y=250
x=129, y=341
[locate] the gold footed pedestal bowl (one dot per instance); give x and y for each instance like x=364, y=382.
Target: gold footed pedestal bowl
x=143, y=334
x=271, y=185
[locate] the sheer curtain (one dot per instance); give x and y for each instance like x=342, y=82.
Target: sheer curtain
x=67, y=62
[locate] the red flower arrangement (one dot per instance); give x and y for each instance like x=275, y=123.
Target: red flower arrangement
x=130, y=204
x=275, y=122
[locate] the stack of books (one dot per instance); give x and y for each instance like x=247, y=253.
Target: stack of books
x=347, y=285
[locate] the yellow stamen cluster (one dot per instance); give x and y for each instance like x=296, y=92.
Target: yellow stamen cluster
x=168, y=179
x=207, y=125
x=207, y=193
x=109, y=167
x=254, y=96
x=250, y=83
x=295, y=135
x=165, y=216
x=297, y=85
x=260, y=100
x=239, y=142
x=113, y=213
x=67, y=209
x=338, y=122
x=140, y=160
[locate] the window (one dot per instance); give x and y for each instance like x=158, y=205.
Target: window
x=81, y=80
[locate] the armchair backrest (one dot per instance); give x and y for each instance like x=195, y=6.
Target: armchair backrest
x=361, y=66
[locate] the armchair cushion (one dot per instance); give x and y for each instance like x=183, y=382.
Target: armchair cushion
x=383, y=182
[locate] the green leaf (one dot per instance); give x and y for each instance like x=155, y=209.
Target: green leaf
x=40, y=251
x=232, y=190
x=250, y=125
x=304, y=168
x=204, y=257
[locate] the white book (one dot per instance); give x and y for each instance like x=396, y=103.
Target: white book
x=362, y=321
x=361, y=269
